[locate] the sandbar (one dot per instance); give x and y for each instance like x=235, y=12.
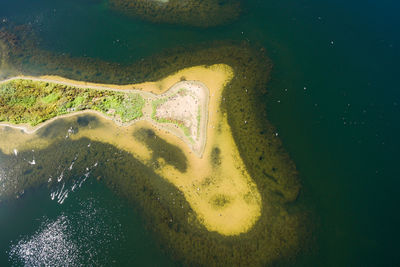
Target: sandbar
x=223, y=196
x=181, y=110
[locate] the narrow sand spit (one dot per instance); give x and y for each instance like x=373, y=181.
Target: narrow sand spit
x=223, y=196
x=189, y=110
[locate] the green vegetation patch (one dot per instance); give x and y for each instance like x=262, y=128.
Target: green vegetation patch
x=32, y=102
x=78, y=101
x=50, y=98
x=284, y=229
x=127, y=106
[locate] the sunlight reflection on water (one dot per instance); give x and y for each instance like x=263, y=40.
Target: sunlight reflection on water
x=71, y=239
x=50, y=245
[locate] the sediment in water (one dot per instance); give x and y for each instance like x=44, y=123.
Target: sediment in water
x=199, y=13
x=281, y=231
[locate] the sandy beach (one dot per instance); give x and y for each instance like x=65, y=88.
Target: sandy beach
x=224, y=197
x=200, y=97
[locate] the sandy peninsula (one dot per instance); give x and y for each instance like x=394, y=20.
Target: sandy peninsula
x=223, y=196
x=182, y=110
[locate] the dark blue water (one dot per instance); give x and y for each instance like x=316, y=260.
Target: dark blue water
x=334, y=97
x=91, y=227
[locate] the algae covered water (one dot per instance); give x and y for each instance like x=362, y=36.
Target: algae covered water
x=333, y=97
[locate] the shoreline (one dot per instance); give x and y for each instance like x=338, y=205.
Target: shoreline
x=28, y=129
x=147, y=93
x=221, y=193
x=279, y=231
x=204, y=97
x=84, y=85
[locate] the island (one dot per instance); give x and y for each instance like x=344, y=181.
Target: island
x=182, y=109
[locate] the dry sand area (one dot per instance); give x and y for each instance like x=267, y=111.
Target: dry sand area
x=223, y=197
x=185, y=103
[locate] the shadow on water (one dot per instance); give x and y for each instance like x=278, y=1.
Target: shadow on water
x=162, y=149
x=67, y=215
x=283, y=227
x=73, y=124
x=351, y=168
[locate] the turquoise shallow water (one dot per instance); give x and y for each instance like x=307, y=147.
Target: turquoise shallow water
x=334, y=98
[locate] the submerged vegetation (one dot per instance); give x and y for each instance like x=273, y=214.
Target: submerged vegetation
x=32, y=102
x=283, y=229
x=199, y=13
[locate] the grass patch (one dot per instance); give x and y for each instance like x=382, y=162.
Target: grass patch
x=51, y=98
x=79, y=100
x=127, y=106
x=27, y=101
